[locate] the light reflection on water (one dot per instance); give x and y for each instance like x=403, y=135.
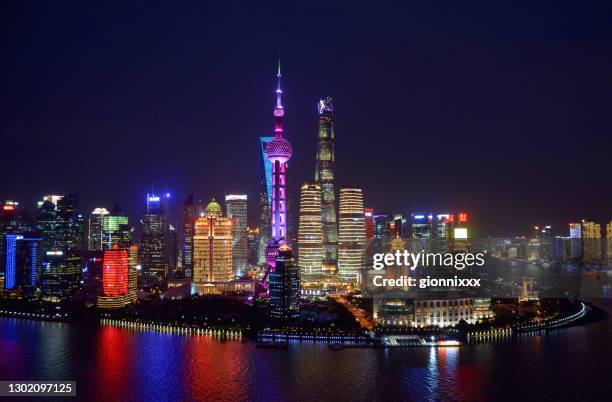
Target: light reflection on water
x=113, y=364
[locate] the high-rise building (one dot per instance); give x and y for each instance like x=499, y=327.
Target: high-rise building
x=115, y=279
x=369, y=231
x=132, y=273
x=116, y=230
x=383, y=233
x=154, y=241
x=236, y=210
x=400, y=226
x=94, y=237
x=324, y=176
x=422, y=226
x=46, y=225
x=422, y=232
x=212, y=248
x=351, y=234
x=21, y=262
x=310, y=233
x=60, y=274
x=187, y=228
x=13, y=220
x=253, y=235
x=63, y=241
x=443, y=226
x=265, y=198
x=575, y=240
x=70, y=232
x=115, y=272
x=591, y=242
x=591, y=230
x=91, y=277
x=285, y=287
x=278, y=152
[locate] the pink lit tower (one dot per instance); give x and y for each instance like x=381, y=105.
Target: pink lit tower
x=279, y=152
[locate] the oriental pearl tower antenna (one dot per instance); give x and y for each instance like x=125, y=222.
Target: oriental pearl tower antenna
x=278, y=152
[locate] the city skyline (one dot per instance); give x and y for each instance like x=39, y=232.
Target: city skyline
x=306, y=200
x=486, y=154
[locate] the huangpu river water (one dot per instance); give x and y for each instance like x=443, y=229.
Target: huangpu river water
x=113, y=364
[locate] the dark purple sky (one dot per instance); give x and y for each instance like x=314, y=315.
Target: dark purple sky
x=503, y=110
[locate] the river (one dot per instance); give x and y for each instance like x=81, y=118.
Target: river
x=112, y=364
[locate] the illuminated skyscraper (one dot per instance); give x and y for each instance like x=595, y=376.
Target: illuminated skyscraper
x=443, y=223
x=351, y=234
x=369, y=231
x=154, y=241
x=62, y=228
x=422, y=232
x=21, y=262
x=236, y=210
x=60, y=223
x=575, y=234
x=187, y=229
x=369, y=222
x=591, y=230
x=132, y=273
x=70, y=232
x=46, y=225
x=382, y=233
x=60, y=274
x=116, y=230
x=285, y=287
x=115, y=272
x=94, y=238
x=265, y=198
x=324, y=176
x=13, y=221
x=279, y=152
x=591, y=242
x=115, y=279
x=310, y=233
x=212, y=248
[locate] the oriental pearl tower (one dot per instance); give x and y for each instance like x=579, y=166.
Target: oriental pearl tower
x=278, y=152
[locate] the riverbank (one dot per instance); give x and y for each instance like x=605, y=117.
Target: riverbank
x=587, y=313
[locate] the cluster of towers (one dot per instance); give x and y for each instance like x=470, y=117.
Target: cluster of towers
x=331, y=239
x=331, y=243
x=207, y=247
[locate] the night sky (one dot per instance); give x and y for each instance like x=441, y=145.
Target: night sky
x=503, y=110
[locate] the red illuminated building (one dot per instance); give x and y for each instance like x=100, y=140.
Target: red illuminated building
x=115, y=272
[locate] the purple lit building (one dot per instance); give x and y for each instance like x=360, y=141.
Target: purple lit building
x=279, y=152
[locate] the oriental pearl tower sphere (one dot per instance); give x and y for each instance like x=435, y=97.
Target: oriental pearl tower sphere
x=278, y=152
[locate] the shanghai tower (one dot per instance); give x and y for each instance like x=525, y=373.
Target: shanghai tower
x=279, y=152
x=324, y=176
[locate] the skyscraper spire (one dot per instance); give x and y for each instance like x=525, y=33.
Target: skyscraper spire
x=278, y=110
x=278, y=76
